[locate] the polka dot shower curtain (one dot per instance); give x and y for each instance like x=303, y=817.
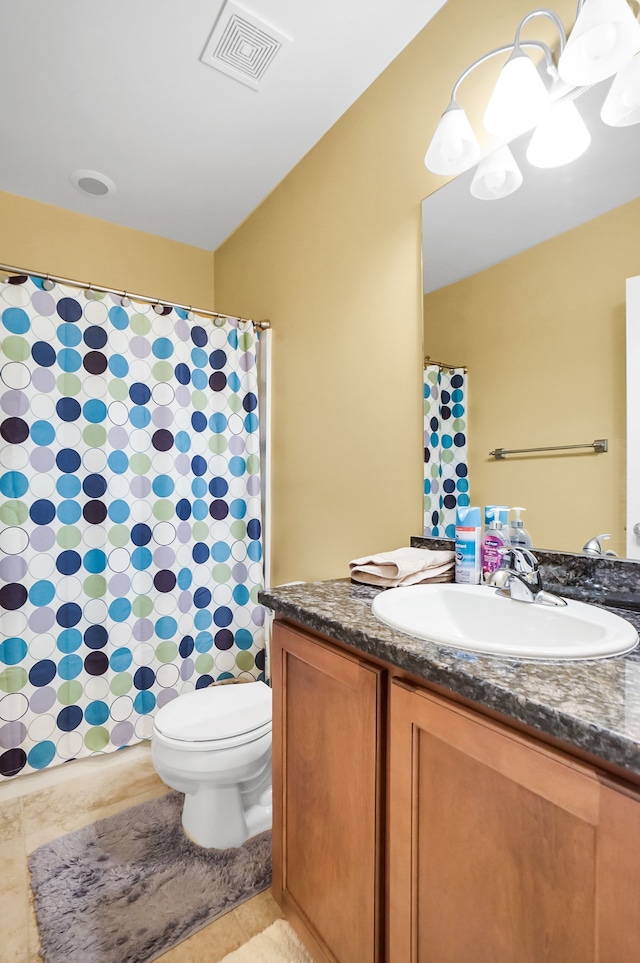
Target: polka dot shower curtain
x=130, y=529
x=446, y=481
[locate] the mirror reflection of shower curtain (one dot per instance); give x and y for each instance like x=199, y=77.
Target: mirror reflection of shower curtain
x=446, y=473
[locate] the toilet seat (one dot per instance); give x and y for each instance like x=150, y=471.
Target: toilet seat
x=217, y=717
x=211, y=745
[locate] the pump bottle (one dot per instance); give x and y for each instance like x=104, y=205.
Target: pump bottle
x=494, y=540
x=518, y=535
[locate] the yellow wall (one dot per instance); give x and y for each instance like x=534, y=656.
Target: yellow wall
x=543, y=336
x=50, y=240
x=333, y=257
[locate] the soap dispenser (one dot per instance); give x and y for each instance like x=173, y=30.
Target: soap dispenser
x=518, y=535
x=494, y=541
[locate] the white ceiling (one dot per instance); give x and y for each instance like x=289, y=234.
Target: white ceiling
x=463, y=235
x=118, y=87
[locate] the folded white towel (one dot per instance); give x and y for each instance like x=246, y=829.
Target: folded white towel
x=404, y=566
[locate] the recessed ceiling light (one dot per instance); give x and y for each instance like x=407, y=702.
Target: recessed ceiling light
x=92, y=183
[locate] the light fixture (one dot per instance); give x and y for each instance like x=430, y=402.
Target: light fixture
x=519, y=97
x=604, y=40
x=622, y=105
x=605, y=36
x=454, y=147
x=497, y=176
x=560, y=137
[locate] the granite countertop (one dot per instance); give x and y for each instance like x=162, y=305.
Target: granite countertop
x=591, y=705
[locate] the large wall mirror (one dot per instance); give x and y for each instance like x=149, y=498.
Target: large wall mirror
x=528, y=292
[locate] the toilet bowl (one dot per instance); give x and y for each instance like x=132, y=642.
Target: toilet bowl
x=214, y=745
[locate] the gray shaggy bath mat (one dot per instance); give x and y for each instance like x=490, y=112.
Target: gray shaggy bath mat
x=128, y=888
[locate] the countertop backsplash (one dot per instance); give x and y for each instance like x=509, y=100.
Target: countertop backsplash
x=614, y=582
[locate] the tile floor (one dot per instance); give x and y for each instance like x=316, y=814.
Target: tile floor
x=37, y=808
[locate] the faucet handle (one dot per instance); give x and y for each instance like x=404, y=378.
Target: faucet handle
x=507, y=554
x=525, y=559
x=519, y=560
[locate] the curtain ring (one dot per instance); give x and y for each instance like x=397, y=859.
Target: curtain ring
x=125, y=301
x=48, y=284
x=158, y=308
x=190, y=315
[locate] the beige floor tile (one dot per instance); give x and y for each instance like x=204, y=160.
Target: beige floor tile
x=210, y=944
x=66, y=807
x=10, y=819
x=33, y=934
x=256, y=914
x=14, y=871
x=14, y=890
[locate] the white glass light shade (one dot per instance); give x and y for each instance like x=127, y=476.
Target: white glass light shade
x=560, y=137
x=497, y=176
x=519, y=98
x=622, y=106
x=605, y=36
x=454, y=147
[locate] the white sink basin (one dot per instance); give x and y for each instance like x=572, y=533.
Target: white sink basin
x=476, y=619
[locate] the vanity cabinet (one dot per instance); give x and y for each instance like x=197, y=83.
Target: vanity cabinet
x=501, y=848
x=327, y=795
x=494, y=845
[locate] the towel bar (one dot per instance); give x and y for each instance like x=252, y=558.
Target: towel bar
x=599, y=445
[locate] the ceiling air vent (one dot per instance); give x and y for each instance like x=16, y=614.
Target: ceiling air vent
x=242, y=46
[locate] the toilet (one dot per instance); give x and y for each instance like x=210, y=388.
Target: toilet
x=214, y=745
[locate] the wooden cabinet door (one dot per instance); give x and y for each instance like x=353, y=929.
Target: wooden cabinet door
x=618, y=876
x=327, y=779
x=494, y=844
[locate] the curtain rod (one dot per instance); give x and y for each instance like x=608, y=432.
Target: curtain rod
x=10, y=269
x=440, y=364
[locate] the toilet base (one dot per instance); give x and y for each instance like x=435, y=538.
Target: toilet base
x=259, y=818
x=215, y=819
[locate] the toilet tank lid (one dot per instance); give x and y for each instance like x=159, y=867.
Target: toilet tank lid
x=216, y=712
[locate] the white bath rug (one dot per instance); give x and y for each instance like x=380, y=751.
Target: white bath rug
x=277, y=944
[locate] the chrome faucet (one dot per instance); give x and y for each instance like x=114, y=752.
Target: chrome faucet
x=594, y=547
x=519, y=578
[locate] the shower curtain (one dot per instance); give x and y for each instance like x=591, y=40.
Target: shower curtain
x=130, y=525
x=446, y=475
